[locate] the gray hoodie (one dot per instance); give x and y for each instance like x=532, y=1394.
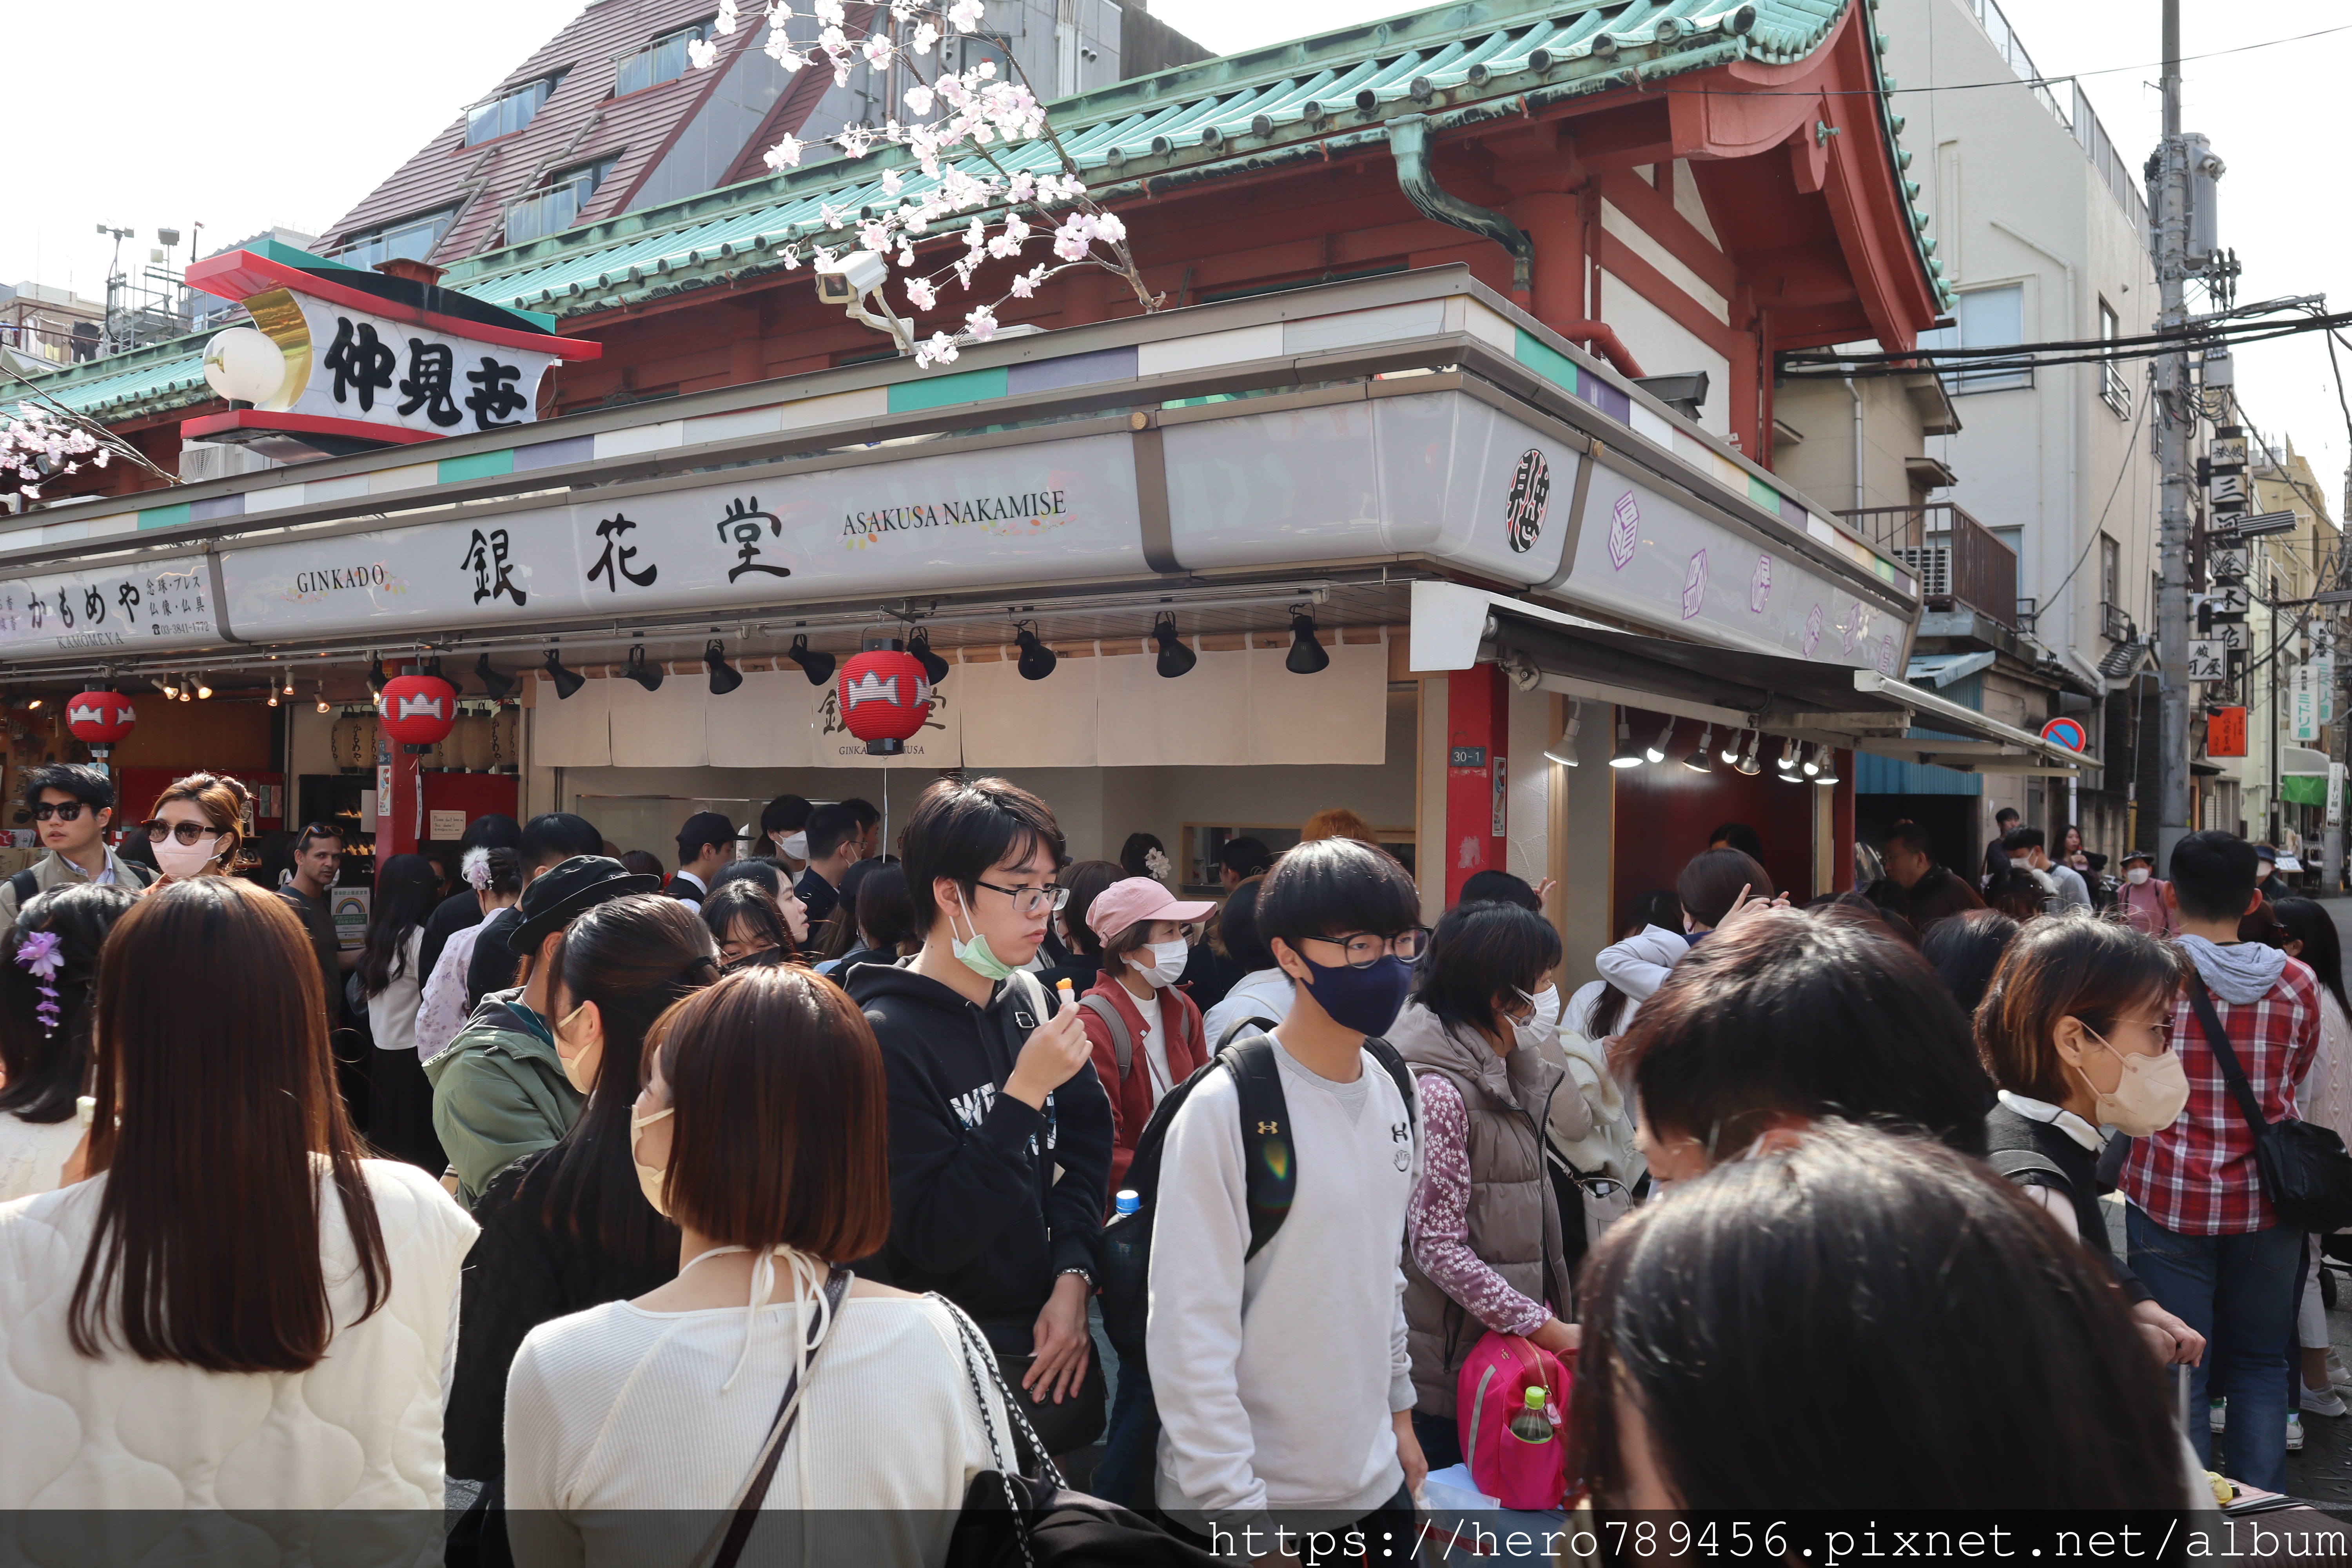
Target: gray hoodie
x=2239, y=974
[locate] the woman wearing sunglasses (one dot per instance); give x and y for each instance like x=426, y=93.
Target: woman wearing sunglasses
x=198, y=827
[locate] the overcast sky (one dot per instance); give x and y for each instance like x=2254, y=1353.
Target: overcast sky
x=292, y=112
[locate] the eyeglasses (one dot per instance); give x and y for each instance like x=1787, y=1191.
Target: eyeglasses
x=63, y=810
x=1364, y=950
x=1028, y=901
x=185, y=832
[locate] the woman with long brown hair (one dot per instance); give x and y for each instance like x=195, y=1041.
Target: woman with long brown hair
x=233, y=1275
x=198, y=828
x=567, y=1227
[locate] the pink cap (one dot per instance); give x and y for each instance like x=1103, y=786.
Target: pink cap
x=1123, y=903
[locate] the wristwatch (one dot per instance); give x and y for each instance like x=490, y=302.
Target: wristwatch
x=1085, y=1274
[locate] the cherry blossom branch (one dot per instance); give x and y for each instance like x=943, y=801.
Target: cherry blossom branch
x=979, y=111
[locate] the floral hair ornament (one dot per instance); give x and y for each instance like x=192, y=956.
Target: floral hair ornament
x=1157, y=862
x=36, y=954
x=475, y=868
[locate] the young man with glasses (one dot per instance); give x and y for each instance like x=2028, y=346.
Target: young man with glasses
x=1284, y=1383
x=70, y=805
x=999, y=1131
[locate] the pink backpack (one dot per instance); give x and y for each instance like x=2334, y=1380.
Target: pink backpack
x=1492, y=1390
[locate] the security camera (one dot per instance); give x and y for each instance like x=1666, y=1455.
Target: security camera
x=849, y=279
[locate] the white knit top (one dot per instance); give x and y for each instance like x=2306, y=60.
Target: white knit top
x=616, y=1412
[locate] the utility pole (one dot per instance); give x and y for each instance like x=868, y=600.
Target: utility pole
x=2175, y=413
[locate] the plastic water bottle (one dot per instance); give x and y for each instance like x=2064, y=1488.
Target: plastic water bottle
x=1127, y=1202
x=1531, y=1425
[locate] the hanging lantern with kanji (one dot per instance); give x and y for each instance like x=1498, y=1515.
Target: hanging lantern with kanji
x=417, y=710
x=885, y=697
x=100, y=719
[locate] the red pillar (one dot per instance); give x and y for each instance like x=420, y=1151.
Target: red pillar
x=399, y=793
x=1478, y=728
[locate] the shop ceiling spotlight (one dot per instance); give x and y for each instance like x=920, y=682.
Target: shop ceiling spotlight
x=496, y=686
x=935, y=668
x=34, y=706
x=322, y=697
x=1662, y=745
x=1175, y=658
x=1563, y=750
x=817, y=667
x=1731, y=747
x=204, y=687
x=566, y=683
x=1788, y=757
x=724, y=677
x=1702, y=760
x=1307, y=656
x=376, y=677
x=1038, y=661
x=1625, y=755
x=290, y=685
x=649, y=676
x=1748, y=765
x=1812, y=764
x=1829, y=773
x=167, y=687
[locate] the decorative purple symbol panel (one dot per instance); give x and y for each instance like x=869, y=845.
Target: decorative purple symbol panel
x=1813, y=631
x=1760, y=587
x=1625, y=531
x=1695, y=585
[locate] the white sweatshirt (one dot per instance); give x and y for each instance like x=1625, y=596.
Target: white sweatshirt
x=1640, y=964
x=1253, y=1426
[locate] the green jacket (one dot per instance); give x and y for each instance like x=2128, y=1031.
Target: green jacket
x=500, y=1093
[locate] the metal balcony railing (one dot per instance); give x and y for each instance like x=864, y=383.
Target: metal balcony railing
x=2115, y=622
x=1957, y=559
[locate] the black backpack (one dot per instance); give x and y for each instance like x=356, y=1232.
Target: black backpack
x=1269, y=1164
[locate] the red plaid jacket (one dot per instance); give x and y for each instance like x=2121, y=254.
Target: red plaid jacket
x=2198, y=1176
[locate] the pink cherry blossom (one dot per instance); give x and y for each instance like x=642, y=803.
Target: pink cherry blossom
x=981, y=323
x=920, y=295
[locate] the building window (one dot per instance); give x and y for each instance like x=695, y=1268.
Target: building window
x=661, y=60
x=2111, y=570
x=556, y=207
x=1984, y=319
x=2111, y=373
x=507, y=113
x=412, y=237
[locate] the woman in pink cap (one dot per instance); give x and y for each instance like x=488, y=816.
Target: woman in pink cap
x=1145, y=1033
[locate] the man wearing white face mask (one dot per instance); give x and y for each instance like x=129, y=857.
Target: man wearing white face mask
x=2142, y=899
x=1484, y=1222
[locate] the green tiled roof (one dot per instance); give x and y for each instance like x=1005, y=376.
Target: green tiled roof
x=1459, y=63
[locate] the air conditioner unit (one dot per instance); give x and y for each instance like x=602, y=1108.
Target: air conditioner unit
x=1932, y=564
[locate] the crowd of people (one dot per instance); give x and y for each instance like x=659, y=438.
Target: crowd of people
x=838, y=1174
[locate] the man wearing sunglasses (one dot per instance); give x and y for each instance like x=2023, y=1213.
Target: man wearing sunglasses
x=69, y=806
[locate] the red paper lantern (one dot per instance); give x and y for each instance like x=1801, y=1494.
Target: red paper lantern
x=885, y=697
x=98, y=718
x=417, y=710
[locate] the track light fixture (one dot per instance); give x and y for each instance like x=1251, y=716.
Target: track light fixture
x=817, y=667
x=1662, y=745
x=497, y=687
x=322, y=697
x=34, y=706
x=1038, y=661
x=1175, y=658
x=1787, y=760
x=376, y=677
x=1307, y=656
x=1789, y=772
x=1813, y=761
x=1702, y=760
x=1563, y=750
x=566, y=683
x=724, y=677
x=649, y=676
x=204, y=687
x=1731, y=747
x=169, y=687
x=1829, y=773
x=1625, y=755
x=1747, y=766
x=273, y=695
x=289, y=684
x=935, y=668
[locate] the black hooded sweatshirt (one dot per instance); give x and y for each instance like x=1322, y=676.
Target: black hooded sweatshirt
x=975, y=1211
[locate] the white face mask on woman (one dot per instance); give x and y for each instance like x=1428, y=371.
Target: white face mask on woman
x=1544, y=1022
x=178, y=860
x=2135, y=875
x=1166, y=962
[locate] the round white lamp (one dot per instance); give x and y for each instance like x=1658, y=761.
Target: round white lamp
x=243, y=363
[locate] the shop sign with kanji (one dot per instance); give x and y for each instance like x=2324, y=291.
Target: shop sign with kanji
x=160, y=603
x=363, y=360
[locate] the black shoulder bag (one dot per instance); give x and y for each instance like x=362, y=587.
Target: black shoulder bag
x=2305, y=1171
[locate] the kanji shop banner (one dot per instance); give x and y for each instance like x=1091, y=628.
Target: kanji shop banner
x=338, y=360
x=163, y=604
x=382, y=372
x=1009, y=514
